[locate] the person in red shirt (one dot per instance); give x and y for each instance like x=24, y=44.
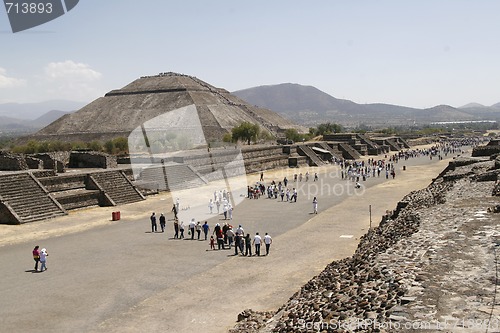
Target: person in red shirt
x=36, y=256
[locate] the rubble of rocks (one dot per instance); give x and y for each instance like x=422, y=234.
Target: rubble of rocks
x=429, y=265
x=252, y=321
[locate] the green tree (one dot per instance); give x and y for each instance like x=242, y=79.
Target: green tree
x=245, y=131
x=121, y=144
x=95, y=145
x=327, y=128
x=266, y=136
x=109, y=146
x=293, y=134
x=227, y=137
x=31, y=147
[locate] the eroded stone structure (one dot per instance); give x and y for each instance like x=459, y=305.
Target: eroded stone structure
x=12, y=162
x=92, y=159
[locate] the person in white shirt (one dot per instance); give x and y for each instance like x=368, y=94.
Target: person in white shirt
x=268, y=241
x=43, y=259
x=230, y=236
x=238, y=240
x=257, y=240
x=315, y=206
x=192, y=225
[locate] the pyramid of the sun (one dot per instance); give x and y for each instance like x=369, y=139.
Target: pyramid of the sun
x=121, y=111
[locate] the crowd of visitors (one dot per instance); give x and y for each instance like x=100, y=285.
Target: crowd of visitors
x=224, y=236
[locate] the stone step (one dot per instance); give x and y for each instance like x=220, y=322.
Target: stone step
x=40, y=217
x=117, y=187
x=26, y=198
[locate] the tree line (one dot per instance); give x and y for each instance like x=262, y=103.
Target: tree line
x=115, y=146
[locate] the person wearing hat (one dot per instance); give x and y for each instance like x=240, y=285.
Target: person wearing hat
x=43, y=259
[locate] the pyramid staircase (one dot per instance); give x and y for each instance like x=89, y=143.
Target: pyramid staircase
x=117, y=186
x=24, y=199
x=335, y=152
x=373, y=147
x=348, y=152
x=392, y=144
x=72, y=191
x=305, y=150
x=171, y=176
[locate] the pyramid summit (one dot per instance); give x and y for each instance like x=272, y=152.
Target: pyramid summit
x=121, y=111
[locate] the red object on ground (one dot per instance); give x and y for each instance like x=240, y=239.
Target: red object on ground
x=115, y=216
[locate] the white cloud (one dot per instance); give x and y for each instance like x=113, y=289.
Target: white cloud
x=71, y=80
x=70, y=70
x=9, y=82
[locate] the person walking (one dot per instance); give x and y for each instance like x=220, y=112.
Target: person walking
x=36, y=256
x=181, y=229
x=198, y=230
x=268, y=241
x=315, y=206
x=163, y=222
x=230, y=211
x=176, y=229
x=217, y=203
x=220, y=239
x=206, y=229
x=230, y=236
x=175, y=211
x=225, y=228
x=256, y=241
x=43, y=259
x=212, y=243
x=153, y=222
x=225, y=208
x=192, y=225
x=248, y=245
x=238, y=240
x=211, y=206
x=177, y=205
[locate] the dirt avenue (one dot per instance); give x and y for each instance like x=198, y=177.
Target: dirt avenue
x=117, y=276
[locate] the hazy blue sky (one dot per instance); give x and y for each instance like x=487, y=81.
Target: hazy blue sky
x=413, y=53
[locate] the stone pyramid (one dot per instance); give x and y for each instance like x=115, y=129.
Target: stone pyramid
x=121, y=111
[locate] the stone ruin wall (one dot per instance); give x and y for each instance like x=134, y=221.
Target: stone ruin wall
x=12, y=162
x=92, y=159
x=19, y=162
x=485, y=151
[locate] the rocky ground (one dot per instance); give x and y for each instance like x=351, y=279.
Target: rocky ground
x=430, y=266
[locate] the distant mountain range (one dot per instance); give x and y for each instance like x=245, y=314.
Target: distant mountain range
x=307, y=105
x=304, y=105
x=30, y=117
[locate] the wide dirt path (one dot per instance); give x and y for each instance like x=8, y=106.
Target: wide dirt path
x=118, y=277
